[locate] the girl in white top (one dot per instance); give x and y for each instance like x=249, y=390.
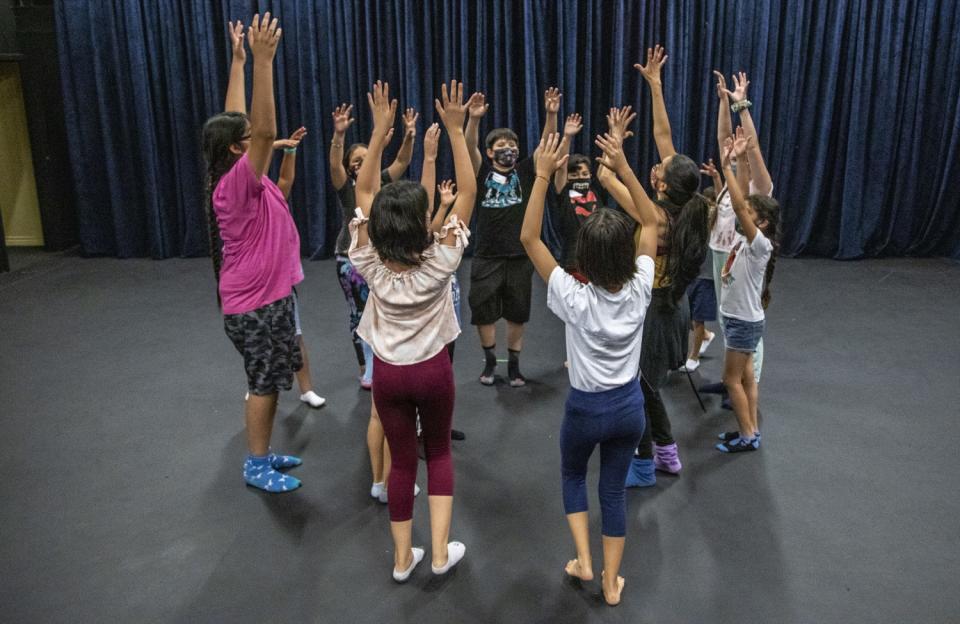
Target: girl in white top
x=408, y=321
x=604, y=328
x=745, y=279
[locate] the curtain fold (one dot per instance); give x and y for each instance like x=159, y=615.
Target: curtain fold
x=856, y=102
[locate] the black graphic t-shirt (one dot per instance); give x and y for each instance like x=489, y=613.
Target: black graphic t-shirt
x=576, y=202
x=501, y=203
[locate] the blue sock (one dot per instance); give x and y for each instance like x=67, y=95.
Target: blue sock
x=367, y=362
x=258, y=473
x=281, y=462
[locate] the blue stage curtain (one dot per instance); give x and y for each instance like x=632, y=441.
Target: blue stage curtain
x=856, y=101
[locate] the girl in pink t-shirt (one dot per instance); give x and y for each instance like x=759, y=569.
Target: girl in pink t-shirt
x=255, y=248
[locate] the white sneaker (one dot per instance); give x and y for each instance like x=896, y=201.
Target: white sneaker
x=706, y=343
x=312, y=399
x=690, y=365
x=455, y=552
x=376, y=490
x=401, y=577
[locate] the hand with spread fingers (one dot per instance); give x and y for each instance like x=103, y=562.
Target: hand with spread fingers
x=263, y=37
x=656, y=59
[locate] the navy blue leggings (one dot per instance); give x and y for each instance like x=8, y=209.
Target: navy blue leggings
x=613, y=419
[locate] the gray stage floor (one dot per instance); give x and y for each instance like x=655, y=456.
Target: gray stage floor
x=122, y=496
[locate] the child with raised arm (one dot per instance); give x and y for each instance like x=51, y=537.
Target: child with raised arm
x=603, y=321
x=500, y=273
x=255, y=249
x=681, y=249
x=408, y=322
x=744, y=292
x=343, y=174
x=751, y=172
x=288, y=171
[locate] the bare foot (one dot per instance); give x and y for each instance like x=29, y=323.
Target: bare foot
x=612, y=594
x=575, y=570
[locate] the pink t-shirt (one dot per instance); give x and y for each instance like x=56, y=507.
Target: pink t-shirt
x=261, y=247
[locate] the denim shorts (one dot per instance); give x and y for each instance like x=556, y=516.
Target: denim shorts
x=742, y=336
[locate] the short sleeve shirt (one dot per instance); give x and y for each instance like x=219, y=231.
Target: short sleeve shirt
x=501, y=202
x=741, y=280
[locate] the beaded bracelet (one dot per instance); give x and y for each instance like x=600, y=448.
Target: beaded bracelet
x=742, y=104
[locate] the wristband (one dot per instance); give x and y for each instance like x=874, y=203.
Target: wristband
x=289, y=150
x=336, y=144
x=742, y=104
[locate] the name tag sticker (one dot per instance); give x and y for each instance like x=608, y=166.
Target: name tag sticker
x=498, y=178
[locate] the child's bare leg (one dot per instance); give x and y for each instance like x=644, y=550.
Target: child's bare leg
x=582, y=566
x=612, y=582
x=752, y=390
x=733, y=371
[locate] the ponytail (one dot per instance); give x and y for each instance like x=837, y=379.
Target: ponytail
x=689, y=234
x=768, y=209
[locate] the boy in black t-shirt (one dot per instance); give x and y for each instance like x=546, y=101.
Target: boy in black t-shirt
x=500, y=273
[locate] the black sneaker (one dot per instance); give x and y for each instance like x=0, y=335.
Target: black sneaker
x=730, y=436
x=738, y=445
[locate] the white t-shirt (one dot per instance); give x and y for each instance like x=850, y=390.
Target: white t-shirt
x=724, y=231
x=603, y=329
x=741, y=280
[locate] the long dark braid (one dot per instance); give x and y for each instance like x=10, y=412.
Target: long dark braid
x=220, y=132
x=689, y=224
x=768, y=209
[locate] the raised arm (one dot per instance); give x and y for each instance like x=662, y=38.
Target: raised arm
x=758, y=168
x=399, y=165
x=617, y=121
x=428, y=172
x=448, y=195
x=477, y=107
x=737, y=198
x=550, y=150
x=571, y=129
x=724, y=127
x=709, y=169
x=551, y=105
x=236, y=100
x=341, y=122
x=263, y=37
x=640, y=208
x=384, y=112
x=656, y=58
x=453, y=112
x=741, y=143
x=288, y=166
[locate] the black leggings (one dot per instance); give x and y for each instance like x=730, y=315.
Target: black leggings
x=658, y=423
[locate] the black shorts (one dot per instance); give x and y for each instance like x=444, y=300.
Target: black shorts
x=500, y=288
x=267, y=340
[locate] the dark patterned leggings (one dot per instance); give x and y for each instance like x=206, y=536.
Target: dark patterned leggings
x=355, y=290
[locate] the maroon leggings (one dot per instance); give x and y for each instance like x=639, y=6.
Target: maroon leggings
x=400, y=392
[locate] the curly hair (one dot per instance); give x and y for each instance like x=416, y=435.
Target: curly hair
x=768, y=209
x=689, y=215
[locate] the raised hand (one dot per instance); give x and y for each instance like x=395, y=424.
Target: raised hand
x=293, y=141
x=477, y=105
x=448, y=193
x=613, y=157
x=709, y=169
x=551, y=100
x=410, y=117
x=431, y=142
x=573, y=125
x=617, y=121
x=740, y=84
x=450, y=106
x=342, y=119
x=549, y=159
x=384, y=109
x=741, y=142
x=656, y=58
x=727, y=153
x=236, y=40
x=263, y=37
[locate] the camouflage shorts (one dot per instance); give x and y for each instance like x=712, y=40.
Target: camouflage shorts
x=266, y=338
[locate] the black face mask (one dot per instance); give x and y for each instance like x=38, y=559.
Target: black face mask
x=506, y=156
x=355, y=170
x=580, y=186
